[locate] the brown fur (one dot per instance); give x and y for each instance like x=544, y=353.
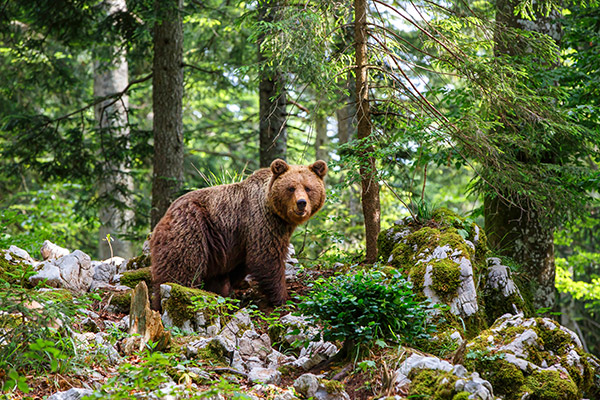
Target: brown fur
x=214, y=237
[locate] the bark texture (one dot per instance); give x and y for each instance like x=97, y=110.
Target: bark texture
x=116, y=184
x=520, y=234
x=272, y=99
x=167, y=95
x=368, y=169
x=516, y=230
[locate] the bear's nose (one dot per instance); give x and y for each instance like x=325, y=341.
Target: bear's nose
x=301, y=204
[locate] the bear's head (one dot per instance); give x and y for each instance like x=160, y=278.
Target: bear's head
x=297, y=192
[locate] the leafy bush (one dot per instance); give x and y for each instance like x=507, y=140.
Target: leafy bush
x=365, y=307
x=34, y=337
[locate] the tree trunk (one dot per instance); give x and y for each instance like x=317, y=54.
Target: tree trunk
x=321, y=139
x=368, y=169
x=115, y=184
x=272, y=99
x=520, y=234
x=167, y=94
x=516, y=230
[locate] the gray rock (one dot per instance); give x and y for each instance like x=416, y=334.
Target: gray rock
x=307, y=385
x=235, y=328
x=264, y=375
x=253, y=344
x=50, y=251
x=315, y=353
x=464, y=303
x=71, y=394
x=20, y=253
x=287, y=395
x=323, y=394
x=72, y=272
x=89, y=325
x=103, y=271
x=276, y=359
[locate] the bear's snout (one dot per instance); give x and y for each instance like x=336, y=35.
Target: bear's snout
x=301, y=204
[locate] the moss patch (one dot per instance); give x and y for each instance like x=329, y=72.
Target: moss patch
x=550, y=385
x=181, y=307
x=445, y=278
x=138, y=262
x=122, y=301
x=132, y=278
x=432, y=384
x=333, y=387
x=461, y=396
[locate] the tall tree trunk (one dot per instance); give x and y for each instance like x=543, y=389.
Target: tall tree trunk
x=321, y=139
x=368, y=169
x=167, y=95
x=516, y=230
x=115, y=186
x=272, y=99
x=519, y=234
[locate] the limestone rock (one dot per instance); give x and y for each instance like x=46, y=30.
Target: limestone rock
x=253, y=344
x=17, y=254
x=103, y=271
x=445, y=375
x=176, y=302
x=51, y=251
x=71, y=394
x=439, y=260
x=73, y=272
x=145, y=322
x=531, y=350
x=307, y=385
x=500, y=292
x=264, y=375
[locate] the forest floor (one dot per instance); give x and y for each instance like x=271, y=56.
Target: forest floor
x=358, y=385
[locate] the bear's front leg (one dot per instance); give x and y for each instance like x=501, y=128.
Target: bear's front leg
x=267, y=266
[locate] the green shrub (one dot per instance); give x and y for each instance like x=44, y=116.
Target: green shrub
x=366, y=306
x=34, y=335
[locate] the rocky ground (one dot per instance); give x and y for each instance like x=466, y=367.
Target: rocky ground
x=203, y=346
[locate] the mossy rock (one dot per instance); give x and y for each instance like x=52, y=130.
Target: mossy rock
x=432, y=384
x=333, y=386
x=132, y=278
x=461, y=396
x=550, y=385
x=517, y=354
x=446, y=278
x=180, y=305
x=122, y=301
x=15, y=272
x=139, y=262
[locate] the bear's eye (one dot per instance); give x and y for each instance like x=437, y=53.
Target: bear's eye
x=291, y=189
x=307, y=189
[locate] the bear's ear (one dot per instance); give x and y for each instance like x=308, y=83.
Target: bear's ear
x=279, y=166
x=319, y=168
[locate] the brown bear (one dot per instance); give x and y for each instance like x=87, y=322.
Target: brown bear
x=214, y=237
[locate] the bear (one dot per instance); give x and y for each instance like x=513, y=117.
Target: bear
x=212, y=238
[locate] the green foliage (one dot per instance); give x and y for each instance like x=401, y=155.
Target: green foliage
x=156, y=369
x=33, y=331
x=30, y=217
x=365, y=306
x=589, y=292
x=214, y=304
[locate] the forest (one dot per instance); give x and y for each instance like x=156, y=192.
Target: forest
x=456, y=255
